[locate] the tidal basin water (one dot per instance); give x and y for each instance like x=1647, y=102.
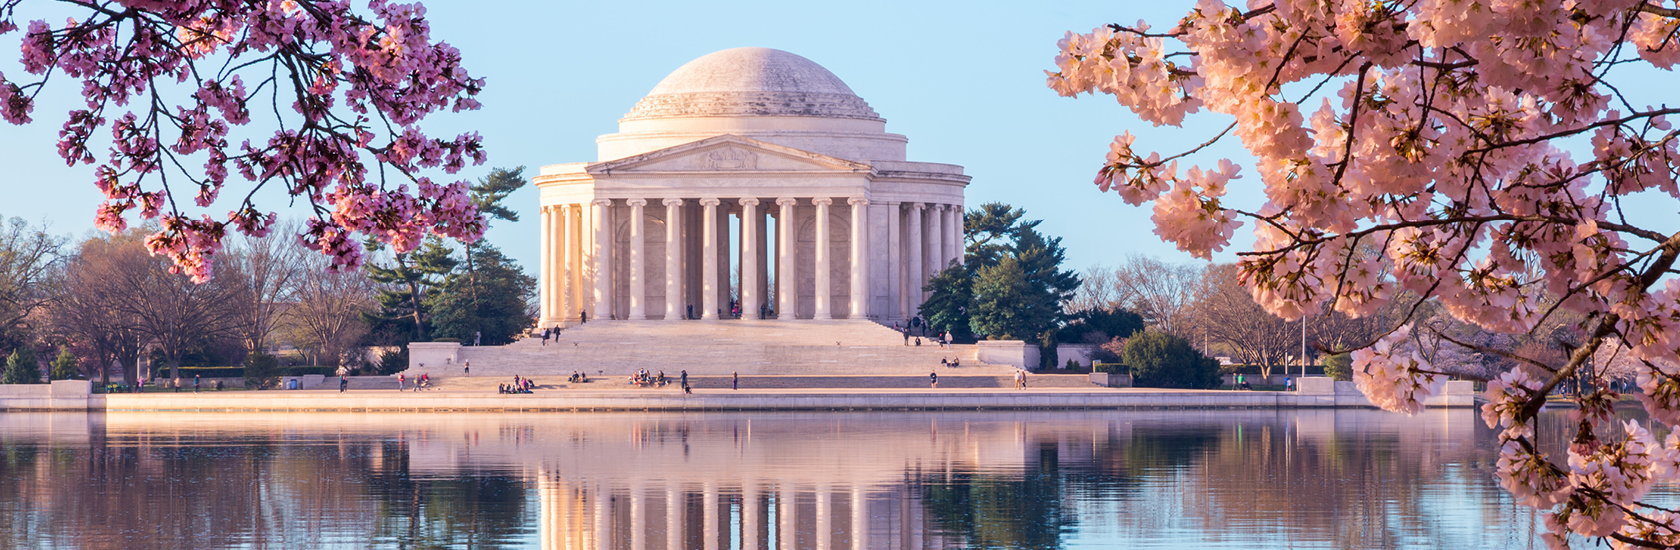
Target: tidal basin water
x=1093, y=479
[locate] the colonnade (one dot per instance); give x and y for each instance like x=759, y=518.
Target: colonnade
x=749, y=514
x=600, y=260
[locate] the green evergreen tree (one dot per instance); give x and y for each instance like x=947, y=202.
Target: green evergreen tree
x=499, y=309
x=262, y=371
x=66, y=365
x=1339, y=367
x=487, y=196
x=407, y=285
x=946, y=309
x=1010, y=286
x=22, y=367
x=1161, y=360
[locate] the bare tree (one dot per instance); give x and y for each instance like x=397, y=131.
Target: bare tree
x=327, y=316
x=1161, y=292
x=28, y=255
x=262, y=273
x=1229, y=315
x=170, y=310
x=88, y=296
x=1097, y=290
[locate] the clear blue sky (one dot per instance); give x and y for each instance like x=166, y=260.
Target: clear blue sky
x=964, y=81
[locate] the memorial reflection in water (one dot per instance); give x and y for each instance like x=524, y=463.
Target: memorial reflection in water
x=762, y=481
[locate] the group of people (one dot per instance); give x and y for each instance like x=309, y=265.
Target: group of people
x=423, y=382
x=641, y=378
x=578, y=377
x=519, y=385
x=953, y=362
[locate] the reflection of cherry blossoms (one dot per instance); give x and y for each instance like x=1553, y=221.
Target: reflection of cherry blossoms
x=1435, y=133
x=348, y=93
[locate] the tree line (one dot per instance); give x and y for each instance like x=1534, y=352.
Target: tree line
x=104, y=307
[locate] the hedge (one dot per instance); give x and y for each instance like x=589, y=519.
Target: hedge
x=239, y=372
x=1111, y=368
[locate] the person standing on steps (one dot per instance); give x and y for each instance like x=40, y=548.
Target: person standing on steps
x=343, y=383
x=466, y=367
x=933, y=379
x=690, y=311
x=583, y=316
x=545, y=336
x=400, y=379
x=735, y=381
x=195, y=383
x=685, y=379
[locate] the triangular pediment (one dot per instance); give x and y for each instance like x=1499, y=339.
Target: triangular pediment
x=727, y=153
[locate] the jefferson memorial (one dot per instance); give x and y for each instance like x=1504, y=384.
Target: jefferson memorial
x=749, y=183
x=752, y=215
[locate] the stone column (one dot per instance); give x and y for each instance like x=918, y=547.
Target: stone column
x=750, y=228
x=954, y=241
x=574, y=262
x=913, y=287
x=897, y=301
x=936, y=239
x=824, y=284
x=787, y=269
x=673, y=259
x=563, y=264
x=709, y=266
x=600, y=259
x=860, y=254
x=545, y=294
x=638, y=292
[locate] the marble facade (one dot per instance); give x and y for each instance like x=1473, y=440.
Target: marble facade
x=750, y=174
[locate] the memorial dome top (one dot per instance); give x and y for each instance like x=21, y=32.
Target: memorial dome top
x=751, y=82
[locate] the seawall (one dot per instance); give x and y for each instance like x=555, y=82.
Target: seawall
x=1456, y=394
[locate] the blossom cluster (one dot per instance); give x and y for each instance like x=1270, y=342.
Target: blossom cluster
x=1434, y=150
x=359, y=88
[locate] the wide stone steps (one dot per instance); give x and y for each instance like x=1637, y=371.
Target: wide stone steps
x=716, y=348
x=948, y=379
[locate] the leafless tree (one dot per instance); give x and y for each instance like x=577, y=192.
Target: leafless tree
x=326, y=317
x=1161, y=292
x=1097, y=290
x=88, y=302
x=1229, y=315
x=170, y=310
x=28, y=255
x=262, y=274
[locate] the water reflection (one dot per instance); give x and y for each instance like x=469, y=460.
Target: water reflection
x=1248, y=479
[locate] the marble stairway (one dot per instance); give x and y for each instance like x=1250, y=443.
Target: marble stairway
x=718, y=348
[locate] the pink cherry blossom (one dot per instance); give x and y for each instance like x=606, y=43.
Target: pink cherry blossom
x=359, y=87
x=1473, y=154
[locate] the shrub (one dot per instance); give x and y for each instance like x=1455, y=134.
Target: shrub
x=262, y=371
x=1339, y=367
x=1111, y=368
x=21, y=367
x=392, y=362
x=1073, y=364
x=66, y=365
x=1161, y=360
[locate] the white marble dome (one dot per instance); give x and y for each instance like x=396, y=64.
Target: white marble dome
x=751, y=82
x=759, y=93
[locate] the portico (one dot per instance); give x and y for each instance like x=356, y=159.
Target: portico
x=749, y=184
